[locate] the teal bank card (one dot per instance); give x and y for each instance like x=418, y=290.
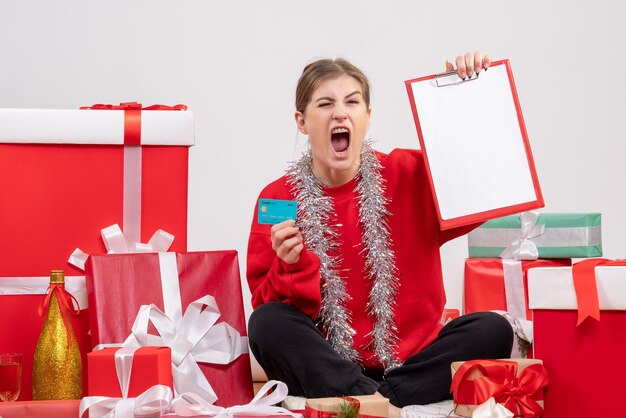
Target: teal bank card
x=273, y=211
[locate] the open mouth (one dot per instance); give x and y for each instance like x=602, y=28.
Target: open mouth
x=340, y=138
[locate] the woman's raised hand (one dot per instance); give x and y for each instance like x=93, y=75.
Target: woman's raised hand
x=469, y=64
x=287, y=241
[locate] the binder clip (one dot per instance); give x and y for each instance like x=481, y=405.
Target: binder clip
x=451, y=78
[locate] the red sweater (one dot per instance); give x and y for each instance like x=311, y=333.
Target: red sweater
x=416, y=239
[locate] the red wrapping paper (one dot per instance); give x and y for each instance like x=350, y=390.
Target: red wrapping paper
x=484, y=283
x=585, y=363
x=151, y=366
x=61, y=196
x=118, y=284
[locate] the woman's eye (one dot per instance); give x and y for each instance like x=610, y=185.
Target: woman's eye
x=323, y=104
x=353, y=101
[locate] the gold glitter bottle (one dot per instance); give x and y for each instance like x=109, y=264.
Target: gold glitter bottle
x=57, y=367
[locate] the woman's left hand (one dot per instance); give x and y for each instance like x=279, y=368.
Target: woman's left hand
x=469, y=64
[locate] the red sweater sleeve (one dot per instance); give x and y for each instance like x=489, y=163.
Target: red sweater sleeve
x=271, y=279
x=450, y=234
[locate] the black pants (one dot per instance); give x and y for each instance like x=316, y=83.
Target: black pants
x=290, y=348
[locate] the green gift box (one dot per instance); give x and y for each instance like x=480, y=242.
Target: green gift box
x=548, y=235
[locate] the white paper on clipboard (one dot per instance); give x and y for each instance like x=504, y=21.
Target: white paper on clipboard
x=474, y=140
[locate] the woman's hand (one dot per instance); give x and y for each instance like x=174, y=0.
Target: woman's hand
x=287, y=241
x=469, y=64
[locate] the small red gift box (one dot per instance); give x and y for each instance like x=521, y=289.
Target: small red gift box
x=150, y=366
x=517, y=384
x=119, y=284
x=494, y=284
x=367, y=405
x=63, y=177
x=448, y=315
x=585, y=361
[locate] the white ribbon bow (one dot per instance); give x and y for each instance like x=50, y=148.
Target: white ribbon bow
x=156, y=399
x=523, y=248
x=116, y=243
x=523, y=328
x=491, y=409
x=190, y=404
x=193, y=338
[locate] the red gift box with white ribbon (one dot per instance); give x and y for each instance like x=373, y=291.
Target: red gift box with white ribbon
x=128, y=382
x=66, y=174
x=501, y=284
x=191, y=302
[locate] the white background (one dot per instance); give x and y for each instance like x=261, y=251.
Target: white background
x=236, y=63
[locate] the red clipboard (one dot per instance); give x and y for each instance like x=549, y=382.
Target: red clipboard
x=474, y=140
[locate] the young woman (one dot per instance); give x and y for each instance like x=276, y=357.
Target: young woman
x=348, y=300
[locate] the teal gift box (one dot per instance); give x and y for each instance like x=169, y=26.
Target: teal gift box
x=549, y=235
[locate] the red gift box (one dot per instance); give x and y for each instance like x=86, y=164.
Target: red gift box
x=485, y=288
x=368, y=406
x=516, y=384
x=448, y=315
x=62, y=179
x=585, y=362
x=150, y=366
x=119, y=284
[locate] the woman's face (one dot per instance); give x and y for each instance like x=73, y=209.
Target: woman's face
x=336, y=121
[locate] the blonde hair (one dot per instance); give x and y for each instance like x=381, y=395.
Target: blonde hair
x=321, y=70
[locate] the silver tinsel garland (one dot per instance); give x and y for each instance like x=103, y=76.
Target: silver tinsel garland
x=317, y=221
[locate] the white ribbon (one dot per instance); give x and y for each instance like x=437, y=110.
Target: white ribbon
x=523, y=248
x=157, y=399
x=574, y=236
x=190, y=404
x=124, y=366
x=132, y=193
x=116, y=243
x=516, y=304
x=39, y=286
x=514, y=288
x=522, y=328
x=491, y=409
x=195, y=338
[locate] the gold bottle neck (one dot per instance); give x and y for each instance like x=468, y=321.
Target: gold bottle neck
x=57, y=277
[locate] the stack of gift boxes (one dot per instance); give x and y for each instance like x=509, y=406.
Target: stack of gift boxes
x=522, y=267
x=69, y=174
x=66, y=176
